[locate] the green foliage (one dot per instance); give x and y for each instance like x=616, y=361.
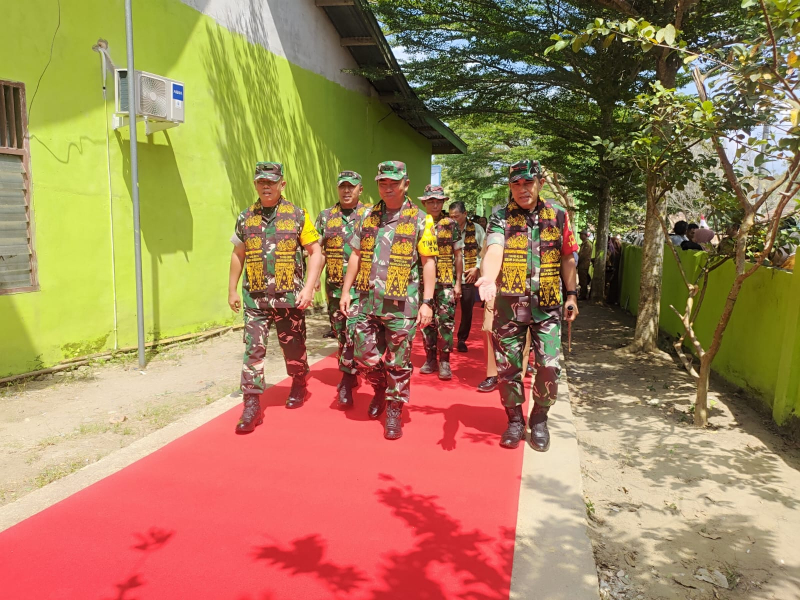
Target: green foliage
x=482, y=66
x=483, y=171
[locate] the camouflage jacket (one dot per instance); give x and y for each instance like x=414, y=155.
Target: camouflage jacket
x=305, y=235
x=526, y=308
x=372, y=302
x=350, y=218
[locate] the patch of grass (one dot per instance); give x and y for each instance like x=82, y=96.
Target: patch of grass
x=160, y=415
x=589, y=507
x=210, y=400
x=733, y=575
x=93, y=429
x=56, y=472
x=7, y=495
x=51, y=440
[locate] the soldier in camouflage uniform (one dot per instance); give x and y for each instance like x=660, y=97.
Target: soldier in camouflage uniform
x=336, y=225
x=439, y=334
x=266, y=246
x=529, y=257
x=390, y=241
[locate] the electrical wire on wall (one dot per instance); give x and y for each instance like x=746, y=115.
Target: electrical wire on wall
x=49, y=60
x=102, y=48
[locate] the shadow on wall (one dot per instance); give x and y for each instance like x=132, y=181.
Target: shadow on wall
x=261, y=117
x=166, y=217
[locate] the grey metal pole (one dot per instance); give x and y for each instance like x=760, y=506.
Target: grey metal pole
x=137, y=237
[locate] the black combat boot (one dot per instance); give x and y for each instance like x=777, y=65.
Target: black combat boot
x=540, y=436
x=393, y=426
x=346, y=385
x=488, y=385
x=516, y=428
x=252, y=414
x=297, y=395
x=378, y=403
x=431, y=364
x=445, y=374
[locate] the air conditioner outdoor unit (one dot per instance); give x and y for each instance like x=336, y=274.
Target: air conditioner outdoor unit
x=159, y=100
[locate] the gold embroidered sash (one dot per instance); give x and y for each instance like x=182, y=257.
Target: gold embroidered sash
x=445, y=264
x=287, y=230
x=262, y=250
x=514, y=275
x=470, y=247
x=334, y=247
x=401, y=255
x=334, y=241
x=550, y=258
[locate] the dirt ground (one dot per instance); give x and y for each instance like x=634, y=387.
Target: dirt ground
x=56, y=424
x=665, y=499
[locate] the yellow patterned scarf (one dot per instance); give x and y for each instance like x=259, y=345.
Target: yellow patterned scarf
x=258, y=246
x=334, y=244
x=515, y=272
x=470, y=247
x=445, y=262
x=401, y=256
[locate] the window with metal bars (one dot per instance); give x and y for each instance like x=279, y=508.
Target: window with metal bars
x=17, y=256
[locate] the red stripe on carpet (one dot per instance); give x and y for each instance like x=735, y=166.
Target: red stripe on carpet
x=313, y=504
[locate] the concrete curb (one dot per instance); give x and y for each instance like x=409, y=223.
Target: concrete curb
x=43, y=498
x=553, y=557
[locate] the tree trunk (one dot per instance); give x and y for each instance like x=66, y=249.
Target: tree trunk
x=601, y=244
x=646, y=335
x=701, y=400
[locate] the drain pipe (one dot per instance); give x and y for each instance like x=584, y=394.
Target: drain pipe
x=102, y=48
x=137, y=237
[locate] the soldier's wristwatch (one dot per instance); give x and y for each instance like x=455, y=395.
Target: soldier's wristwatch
x=428, y=302
x=571, y=293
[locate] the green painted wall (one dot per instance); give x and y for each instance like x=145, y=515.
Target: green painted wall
x=243, y=104
x=761, y=344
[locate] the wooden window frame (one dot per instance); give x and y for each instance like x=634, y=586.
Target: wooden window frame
x=24, y=152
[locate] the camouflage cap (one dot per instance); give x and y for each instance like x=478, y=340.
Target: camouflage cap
x=524, y=169
x=434, y=191
x=268, y=170
x=350, y=177
x=391, y=169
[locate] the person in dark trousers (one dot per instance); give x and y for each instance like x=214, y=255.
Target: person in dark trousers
x=473, y=235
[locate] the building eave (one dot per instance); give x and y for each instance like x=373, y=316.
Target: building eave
x=361, y=34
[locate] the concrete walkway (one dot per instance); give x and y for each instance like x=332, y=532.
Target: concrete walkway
x=553, y=555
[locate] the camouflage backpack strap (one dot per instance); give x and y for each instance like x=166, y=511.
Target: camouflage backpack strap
x=288, y=224
x=369, y=234
x=514, y=274
x=445, y=263
x=470, y=247
x=551, y=222
x=254, y=243
x=334, y=246
x=401, y=256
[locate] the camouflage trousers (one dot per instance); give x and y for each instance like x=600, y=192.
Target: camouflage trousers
x=290, y=324
x=508, y=339
x=382, y=346
x=440, y=332
x=345, y=338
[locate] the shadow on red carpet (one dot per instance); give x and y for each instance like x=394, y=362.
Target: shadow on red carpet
x=314, y=504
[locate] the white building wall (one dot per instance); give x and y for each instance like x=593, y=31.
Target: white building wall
x=295, y=29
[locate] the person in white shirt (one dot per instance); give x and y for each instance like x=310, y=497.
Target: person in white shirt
x=679, y=233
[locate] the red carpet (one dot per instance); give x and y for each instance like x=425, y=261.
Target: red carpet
x=314, y=504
